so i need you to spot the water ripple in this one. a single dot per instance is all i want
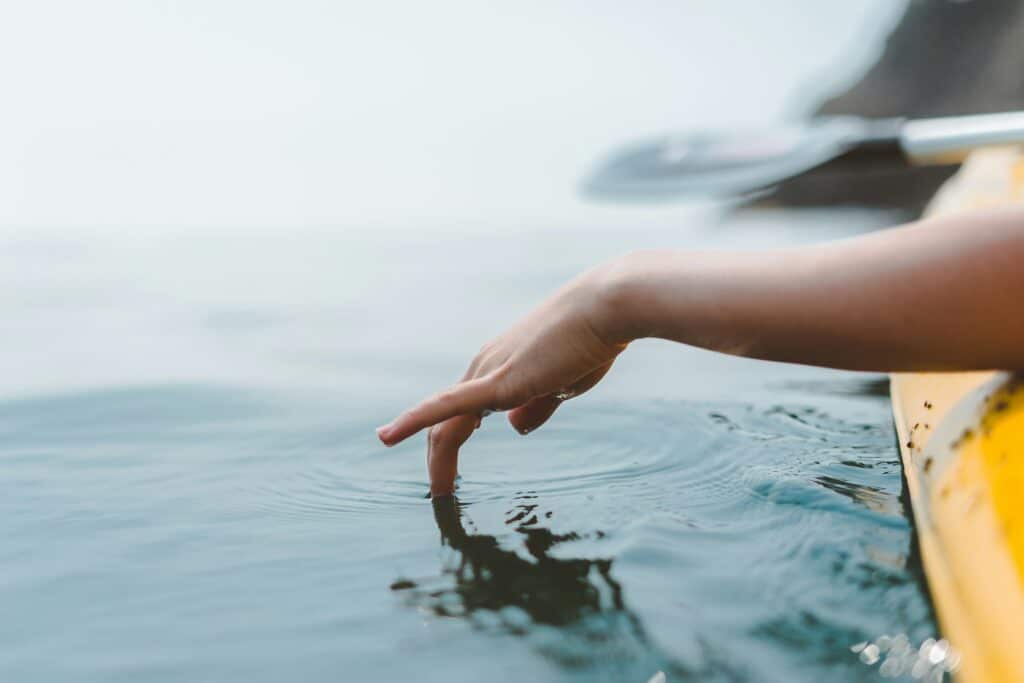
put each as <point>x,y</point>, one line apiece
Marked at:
<point>677,502</point>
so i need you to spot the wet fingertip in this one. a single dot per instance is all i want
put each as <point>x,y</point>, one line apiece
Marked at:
<point>439,490</point>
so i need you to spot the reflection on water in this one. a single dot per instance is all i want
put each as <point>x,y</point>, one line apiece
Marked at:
<point>715,541</point>
<point>875,387</point>
<point>497,588</point>
<point>748,540</point>
<point>548,589</point>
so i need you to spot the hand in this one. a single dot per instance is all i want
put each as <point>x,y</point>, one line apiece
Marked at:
<point>560,350</point>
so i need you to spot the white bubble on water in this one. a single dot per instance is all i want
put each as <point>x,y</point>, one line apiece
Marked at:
<point>869,655</point>
<point>930,661</point>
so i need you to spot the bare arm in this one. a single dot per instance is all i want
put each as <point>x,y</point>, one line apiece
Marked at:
<point>940,294</point>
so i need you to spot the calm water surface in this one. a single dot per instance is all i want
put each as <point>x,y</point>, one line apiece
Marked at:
<point>192,489</point>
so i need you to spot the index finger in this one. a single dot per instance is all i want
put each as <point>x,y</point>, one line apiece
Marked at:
<point>468,398</point>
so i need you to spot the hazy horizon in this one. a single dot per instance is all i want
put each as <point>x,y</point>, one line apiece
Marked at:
<point>137,114</point>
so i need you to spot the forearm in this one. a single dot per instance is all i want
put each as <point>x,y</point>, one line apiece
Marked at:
<point>935,295</point>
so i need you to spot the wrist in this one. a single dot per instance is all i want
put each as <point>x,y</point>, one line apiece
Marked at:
<point>622,296</point>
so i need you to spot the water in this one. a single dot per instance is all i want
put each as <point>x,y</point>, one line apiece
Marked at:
<point>190,486</point>
<point>192,489</point>
<point>202,533</point>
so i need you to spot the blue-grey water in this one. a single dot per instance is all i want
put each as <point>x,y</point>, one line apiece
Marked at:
<point>191,488</point>
<point>235,237</point>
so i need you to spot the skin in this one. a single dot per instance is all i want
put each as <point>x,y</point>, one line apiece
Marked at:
<point>935,295</point>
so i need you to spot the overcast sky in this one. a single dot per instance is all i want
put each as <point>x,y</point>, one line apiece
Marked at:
<point>220,112</point>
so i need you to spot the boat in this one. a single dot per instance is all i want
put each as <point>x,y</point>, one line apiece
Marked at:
<point>961,440</point>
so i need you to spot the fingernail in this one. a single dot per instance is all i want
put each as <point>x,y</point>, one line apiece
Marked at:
<point>382,434</point>
<point>524,431</point>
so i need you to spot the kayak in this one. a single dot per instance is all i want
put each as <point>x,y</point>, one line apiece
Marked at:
<point>961,439</point>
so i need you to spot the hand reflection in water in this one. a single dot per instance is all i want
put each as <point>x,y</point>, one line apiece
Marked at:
<point>496,587</point>
<point>550,590</point>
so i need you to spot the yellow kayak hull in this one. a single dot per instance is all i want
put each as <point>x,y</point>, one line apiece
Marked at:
<point>962,444</point>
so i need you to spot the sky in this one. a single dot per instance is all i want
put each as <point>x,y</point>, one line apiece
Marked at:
<point>372,115</point>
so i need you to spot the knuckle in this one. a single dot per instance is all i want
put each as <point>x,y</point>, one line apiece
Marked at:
<point>506,390</point>
<point>501,373</point>
<point>474,366</point>
<point>479,363</point>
